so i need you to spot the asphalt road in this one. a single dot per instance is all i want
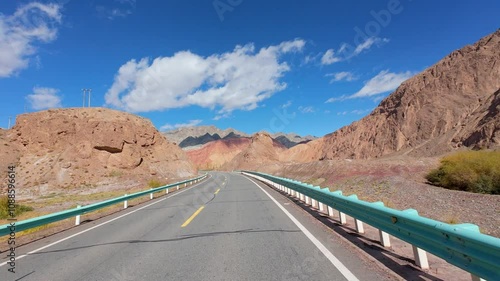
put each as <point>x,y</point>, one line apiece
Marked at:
<point>225,228</point>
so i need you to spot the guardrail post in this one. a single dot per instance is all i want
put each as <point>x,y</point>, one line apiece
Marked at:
<point>321,207</point>
<point>420,258</point>
<point>166,190</point>
<point>185,184</point>
<point>308,200</point>
<point>77,220</point>
<point>297,195</point>
<point>151,195</point>
<point>385,239</point>
<point>178,186</point>
<point>359,226</point>
<point>125,203</point>
<point>314,203</point>
<point>342,217</point>
<point>301,197</point>
<point>330,211</point>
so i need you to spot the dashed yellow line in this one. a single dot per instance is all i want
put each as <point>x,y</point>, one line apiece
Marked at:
<point>217,191</point>
<point>192,216</point>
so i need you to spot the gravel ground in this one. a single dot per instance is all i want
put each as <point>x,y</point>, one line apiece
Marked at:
<point>400,184</point>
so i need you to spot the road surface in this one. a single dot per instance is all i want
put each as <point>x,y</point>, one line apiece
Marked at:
<point>227,227</point>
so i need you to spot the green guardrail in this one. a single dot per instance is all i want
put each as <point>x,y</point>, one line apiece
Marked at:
<point>46,219</point>
<point>462,245</point>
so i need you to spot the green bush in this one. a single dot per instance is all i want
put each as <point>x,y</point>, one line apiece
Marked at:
<point>154,183</point>
<point>474,171</point>
<point>4,208</point>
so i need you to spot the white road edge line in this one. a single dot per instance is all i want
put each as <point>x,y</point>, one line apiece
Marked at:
<point>338,264</point>
<point>101,224</point>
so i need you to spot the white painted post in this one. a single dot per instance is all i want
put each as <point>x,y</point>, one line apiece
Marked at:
<point>385,239</point>
<point>308,200</point>
<point>178,186</point>
<point>420,258</point>
<point>166,190</point>
<point>151,195</point>
<point>343,219</point>
<point>359,226</point>
<point>125,203</point>
<point>302,198</point>
<point>330,211</point>
<point>321,207</point>
<point>297,195</point>
<point>77,220</point>
<point>476,278</point>
<point>314,203</point>
<point>185,184</point>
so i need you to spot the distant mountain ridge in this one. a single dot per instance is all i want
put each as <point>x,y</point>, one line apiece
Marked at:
<point>187,137</point>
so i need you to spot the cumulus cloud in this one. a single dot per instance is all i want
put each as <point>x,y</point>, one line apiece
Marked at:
<point>44,98</point>
<point>31,23</point>
<point>383,82</point>
<point>339,76</point>
<point>239,79</point>
<point>191,123</point>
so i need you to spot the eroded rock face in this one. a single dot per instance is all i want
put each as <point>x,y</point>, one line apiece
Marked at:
<point>66,147</point>
<point>453,103</point>
<point>263,149</point>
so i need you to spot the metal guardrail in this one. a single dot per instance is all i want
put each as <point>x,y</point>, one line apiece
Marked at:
<point>460,244</point>
<point>6,229</point>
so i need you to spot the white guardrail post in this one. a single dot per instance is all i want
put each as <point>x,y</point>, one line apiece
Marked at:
<point>78,218</point>
<point>125,203</point>
<point>151,195</point>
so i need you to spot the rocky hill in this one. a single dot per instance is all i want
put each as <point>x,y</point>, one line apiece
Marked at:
<point>188,137</point>
<point>75,147</point>
<point>263,150</point>
<point>452,104</point>
<point>215,154</point>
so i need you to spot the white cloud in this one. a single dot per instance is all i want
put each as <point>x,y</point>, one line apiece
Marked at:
<point>287,104</point>
<point>344,52</point>
<point>191,123</point>
<point>368,44</point>
<point>341,98</point>
<point>339,76</point>
<point>383,82</point>
<point>44,98</point>
<point>234,80</point>
<point>116,9</point>
<point>31,23</point>
<point>330,58</point>
<point>306,109</point>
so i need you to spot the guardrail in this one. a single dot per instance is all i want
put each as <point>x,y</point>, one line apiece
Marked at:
<point>7,229</point>
<point>460,244</point>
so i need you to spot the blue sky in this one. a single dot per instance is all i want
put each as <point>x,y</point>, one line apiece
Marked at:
<point>308,67</point>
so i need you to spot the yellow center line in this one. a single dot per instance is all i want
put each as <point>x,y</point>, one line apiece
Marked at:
<point>217,191</point>
<point>192,216</point>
